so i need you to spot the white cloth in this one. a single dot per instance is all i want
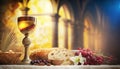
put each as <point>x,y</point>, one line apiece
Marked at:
<point>60,67</point>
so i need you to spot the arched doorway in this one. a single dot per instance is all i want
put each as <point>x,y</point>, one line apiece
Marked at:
<point>88,33</point>
<point>65,26</point>
<point>92,34</point>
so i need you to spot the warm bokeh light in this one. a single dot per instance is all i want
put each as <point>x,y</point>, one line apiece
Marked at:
<point>40,6</point>
<point>41,37</point>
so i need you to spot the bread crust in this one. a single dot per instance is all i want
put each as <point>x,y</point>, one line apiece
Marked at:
<point>40,54</point>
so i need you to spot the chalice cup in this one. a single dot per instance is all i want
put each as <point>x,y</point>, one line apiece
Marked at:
<point>26,24</point>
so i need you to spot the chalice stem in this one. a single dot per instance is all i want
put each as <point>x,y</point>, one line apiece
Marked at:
<point>26,57</point>
<point>26,43</point>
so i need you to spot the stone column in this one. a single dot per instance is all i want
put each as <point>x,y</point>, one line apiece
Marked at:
<point>68,23</point>
<point>66,33</point>
<point>55,19</point>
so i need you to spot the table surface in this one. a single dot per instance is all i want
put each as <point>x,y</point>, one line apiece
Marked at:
<point>60,67</point>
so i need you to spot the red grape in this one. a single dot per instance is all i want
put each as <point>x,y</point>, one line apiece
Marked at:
<point>91,57</point>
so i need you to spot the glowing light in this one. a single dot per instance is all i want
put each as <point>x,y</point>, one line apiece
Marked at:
<point>86,34</point>
<point>65,14</point>
<point>61,35</point>
<point>40,6</point>
<point>23,25</point>
<point>41,37</point>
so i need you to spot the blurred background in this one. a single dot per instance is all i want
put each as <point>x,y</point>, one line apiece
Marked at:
<point>70,24</point>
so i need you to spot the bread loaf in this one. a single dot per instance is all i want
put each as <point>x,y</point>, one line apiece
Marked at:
<point>9,57</point>
<point>60,54</point>
<point>40,54</point>
<point>57,56</point>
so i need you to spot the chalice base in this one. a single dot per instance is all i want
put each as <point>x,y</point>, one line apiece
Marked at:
<point>25,62</point>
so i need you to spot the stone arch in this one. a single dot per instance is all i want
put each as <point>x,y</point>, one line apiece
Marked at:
<point>65,24</point>
<point>88,31</point>
<point>95,16</point>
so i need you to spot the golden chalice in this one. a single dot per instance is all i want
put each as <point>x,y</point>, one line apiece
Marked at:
<point>26,24</point>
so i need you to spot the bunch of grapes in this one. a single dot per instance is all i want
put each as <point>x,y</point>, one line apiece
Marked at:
<point>40,62</point>
<point>91,57</point>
